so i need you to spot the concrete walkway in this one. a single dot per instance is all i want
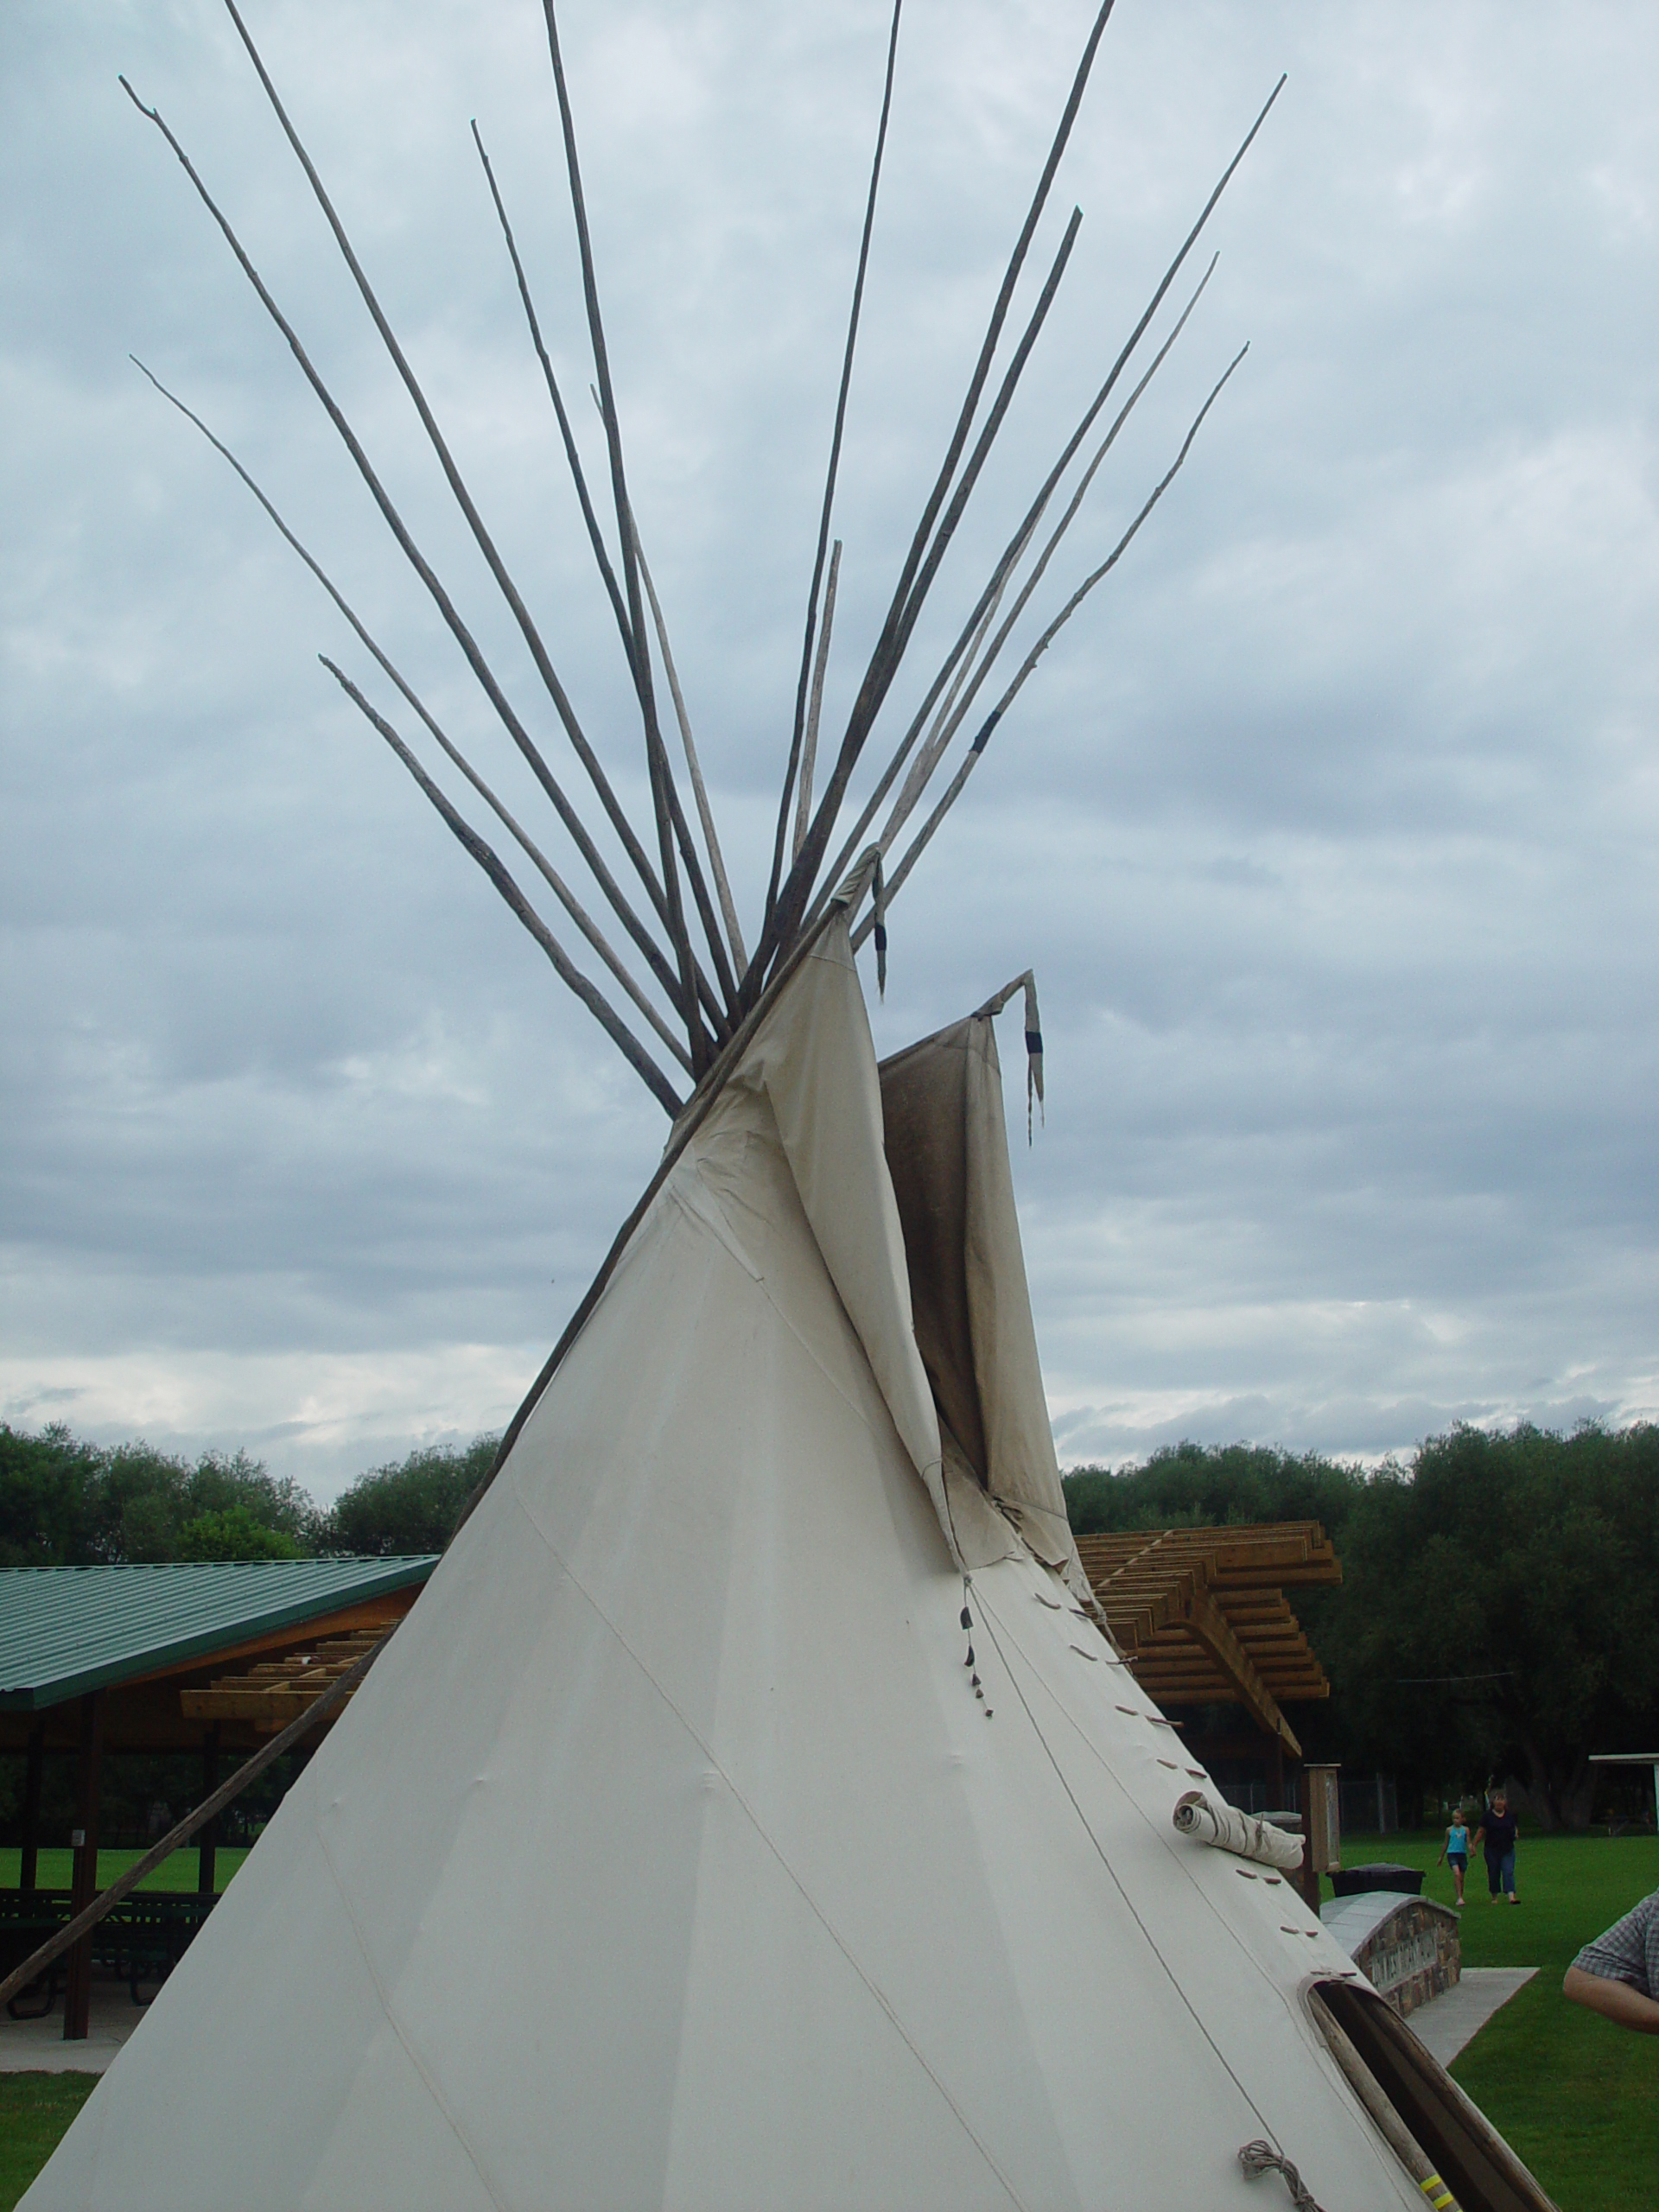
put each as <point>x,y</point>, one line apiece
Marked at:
<point>1450,2022</point>
<point>38,2047</point>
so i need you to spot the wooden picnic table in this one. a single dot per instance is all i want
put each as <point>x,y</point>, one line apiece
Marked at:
<point>140,1941</point>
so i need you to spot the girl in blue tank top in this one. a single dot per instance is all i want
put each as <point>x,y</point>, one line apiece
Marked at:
<point>1454,1852</point>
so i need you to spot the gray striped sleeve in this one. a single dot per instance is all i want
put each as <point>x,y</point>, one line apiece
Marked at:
<point>1630,1949</point>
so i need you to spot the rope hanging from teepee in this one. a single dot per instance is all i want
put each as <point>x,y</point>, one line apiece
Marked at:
<point>1258,2158</point>
<point>992,1007</point>
<point>878,914</point>
<point>1033,1049</point>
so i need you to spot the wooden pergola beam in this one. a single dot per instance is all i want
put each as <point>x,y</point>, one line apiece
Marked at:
<point>1209,1626</point>
<point>1235,1559</point>
<point>1202,1616</point>
<point>272,1694</point>
<point>1207,1684</point>
<point>1190,1659</point>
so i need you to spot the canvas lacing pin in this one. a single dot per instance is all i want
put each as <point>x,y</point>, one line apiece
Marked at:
<point>974,1682</point>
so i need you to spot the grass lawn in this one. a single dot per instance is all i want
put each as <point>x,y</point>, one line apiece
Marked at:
<point>35,2109</point>
<point>56,1868</point>
<point>1576,2097</point>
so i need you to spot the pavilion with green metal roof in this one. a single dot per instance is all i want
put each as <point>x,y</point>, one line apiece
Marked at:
<point>64,1631</point>
<point>208,1658</point>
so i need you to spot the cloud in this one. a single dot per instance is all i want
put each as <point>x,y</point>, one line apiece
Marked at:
<point>1327,823</point>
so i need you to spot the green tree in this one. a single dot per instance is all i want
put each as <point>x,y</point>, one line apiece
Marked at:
<point>1499,1605</point>
<point>1214,1486</point>
<point>233,1534</point>
<point>51,1490</point>
<point>153,1498</point>
<point>1502,1608</point>
<point>64,1503</point>
<point>411,1505</point>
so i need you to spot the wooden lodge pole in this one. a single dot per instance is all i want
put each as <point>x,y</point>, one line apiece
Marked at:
<point>83,1921</point>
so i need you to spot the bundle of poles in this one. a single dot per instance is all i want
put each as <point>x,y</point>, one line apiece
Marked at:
<point>677,981</point>
<point>681,921</point>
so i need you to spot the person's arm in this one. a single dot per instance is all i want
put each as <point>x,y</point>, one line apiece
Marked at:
<point>1440,1861</point>
<point>1479,1837</point>
<point>1614,2000</point>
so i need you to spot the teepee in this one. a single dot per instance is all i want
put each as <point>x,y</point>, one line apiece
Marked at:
<point>753,1811</point>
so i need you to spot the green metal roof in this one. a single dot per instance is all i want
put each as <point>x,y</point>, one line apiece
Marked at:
<point>66,1629</point>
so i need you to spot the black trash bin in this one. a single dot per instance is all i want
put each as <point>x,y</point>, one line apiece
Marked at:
<point>1352,1881</point>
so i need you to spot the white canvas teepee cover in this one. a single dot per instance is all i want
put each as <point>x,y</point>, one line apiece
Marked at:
<point>667,1858</point>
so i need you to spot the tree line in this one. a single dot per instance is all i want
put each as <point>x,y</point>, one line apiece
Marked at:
<point>67,1503</point>
<point>1499,1612</point>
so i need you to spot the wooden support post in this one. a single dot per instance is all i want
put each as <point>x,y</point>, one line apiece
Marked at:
<point>1321,1829</point>
<point>31,1837</point>
<point>1309,1877</point>
<point>1276,1772</point>
<point>78,1994</point>
<point>207,1840</point>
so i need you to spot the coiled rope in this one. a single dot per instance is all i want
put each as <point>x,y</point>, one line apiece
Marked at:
<point>1258,2158</point>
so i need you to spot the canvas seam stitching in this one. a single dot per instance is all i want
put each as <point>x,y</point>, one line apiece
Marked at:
<point>987,1614</point>
<point>411,2053</point>
<point>1140,1811</point>
<point>1367,2134</point>
<point>755,1822</point>
<point>696,1209</point>
<point>765,1288</point>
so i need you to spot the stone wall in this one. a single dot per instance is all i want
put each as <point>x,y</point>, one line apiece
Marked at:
<point>1415,1954</point>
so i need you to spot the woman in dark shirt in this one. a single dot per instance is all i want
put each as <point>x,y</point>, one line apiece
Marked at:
<point>1496,1834</point>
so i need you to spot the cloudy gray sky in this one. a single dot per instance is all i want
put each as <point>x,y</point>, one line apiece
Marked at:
<point>1327,826</point>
